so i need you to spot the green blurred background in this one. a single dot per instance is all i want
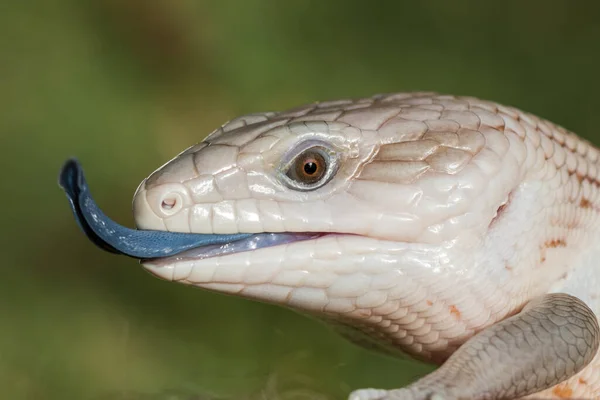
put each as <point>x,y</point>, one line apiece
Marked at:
<point>124,85</point>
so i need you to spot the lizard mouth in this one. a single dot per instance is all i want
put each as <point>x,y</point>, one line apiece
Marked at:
<point>251,243</point>
<point>158,247</point>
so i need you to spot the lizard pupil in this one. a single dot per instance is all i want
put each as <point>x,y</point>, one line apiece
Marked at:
<point>310,167</point>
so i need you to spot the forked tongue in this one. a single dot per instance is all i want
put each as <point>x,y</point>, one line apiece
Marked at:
<point>115,238</point>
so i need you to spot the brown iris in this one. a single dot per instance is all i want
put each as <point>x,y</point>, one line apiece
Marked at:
<point>308,168</point>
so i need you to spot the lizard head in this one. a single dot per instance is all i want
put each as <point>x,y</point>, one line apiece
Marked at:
<point>352,210</point>
<point>340,201</point>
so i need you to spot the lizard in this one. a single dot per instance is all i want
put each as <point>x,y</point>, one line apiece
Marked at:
<point>456,230</point>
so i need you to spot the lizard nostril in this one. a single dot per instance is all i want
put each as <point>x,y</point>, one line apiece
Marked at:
<point>171,203</point>
<point>168,204</point>
<point>167,200</point>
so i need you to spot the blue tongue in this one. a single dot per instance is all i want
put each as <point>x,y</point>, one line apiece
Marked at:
<point>115,238</point>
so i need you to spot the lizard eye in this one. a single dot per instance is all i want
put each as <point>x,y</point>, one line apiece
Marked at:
<point>311,168</point>
<point>308,168</point>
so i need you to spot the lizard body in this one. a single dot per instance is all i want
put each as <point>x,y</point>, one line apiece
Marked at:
<point>435,220</point>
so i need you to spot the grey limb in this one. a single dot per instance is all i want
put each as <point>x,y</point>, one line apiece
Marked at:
<point>553,338</point>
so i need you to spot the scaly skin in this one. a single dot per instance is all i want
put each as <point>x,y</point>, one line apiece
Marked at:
<point>447,216</point>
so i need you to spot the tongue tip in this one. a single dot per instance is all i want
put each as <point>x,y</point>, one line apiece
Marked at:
<point>70,177</point>
<point>72,181</point>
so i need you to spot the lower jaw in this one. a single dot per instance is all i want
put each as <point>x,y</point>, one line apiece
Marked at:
<point>254,242</point>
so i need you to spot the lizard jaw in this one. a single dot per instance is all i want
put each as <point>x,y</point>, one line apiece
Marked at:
<point>312,267</point>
